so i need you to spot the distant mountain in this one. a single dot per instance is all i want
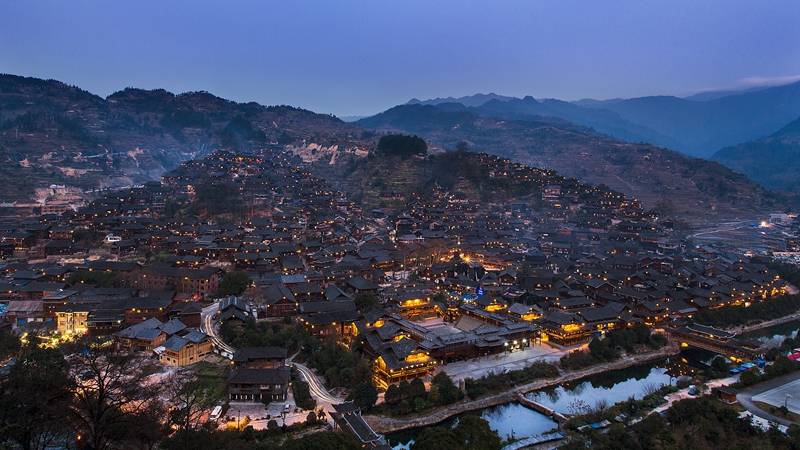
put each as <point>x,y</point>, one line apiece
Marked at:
<point>351,118</point>
<point>601,120</point>
<point>674,183</point>
<point>51,132</point>
<point>469,100</point>
<point>701,127</point>
<point>715,94</point>
<point>697,125</point>
<point>773,161</point>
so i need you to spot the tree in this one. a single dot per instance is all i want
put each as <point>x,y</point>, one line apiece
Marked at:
<point>34,399</point>
<point>781,366</point>
<point>437,438</point>
<point>448,392</point>
<point>719,364</point>
<point>272,425</point>
<point>475,433</point>
<point>311,418</point>
<point>233,283</point>
<point>99,279</point>
<point>416,388</point>
<point>392,396</point>
<point>9,344</point>
<point>325,440</point>
<point>364,395</point>
<point>190,399</point>
<point>114,403</point>
<point>402,145</point>
<point>302,395</point>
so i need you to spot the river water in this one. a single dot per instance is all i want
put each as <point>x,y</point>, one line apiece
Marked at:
<point>773,336</point>
<point>512,420</point>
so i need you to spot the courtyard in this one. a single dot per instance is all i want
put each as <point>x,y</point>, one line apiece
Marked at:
<point>503,362</point>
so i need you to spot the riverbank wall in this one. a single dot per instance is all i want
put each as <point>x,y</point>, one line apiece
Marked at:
<point>386,424</point>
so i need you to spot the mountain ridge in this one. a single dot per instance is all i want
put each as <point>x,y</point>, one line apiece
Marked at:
<point>660,178</point>
<point>773,161</point>
<point>696,125</point>
<point>56,133</point>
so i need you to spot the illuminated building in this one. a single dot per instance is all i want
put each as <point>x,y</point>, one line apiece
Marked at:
<point>72,319</point>
<point>416,305</point>
<point>565,328</point>
<point>184,350</point>
<point>401,360</point>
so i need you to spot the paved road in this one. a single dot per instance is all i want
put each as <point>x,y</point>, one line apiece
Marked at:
<point>745,397</point>
<point>684,393</point>
<point>315,385</point>
<point>208,327</point>
<point>728,226</point>
<point>787,394</point>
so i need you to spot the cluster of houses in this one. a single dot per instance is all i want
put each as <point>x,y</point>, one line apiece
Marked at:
<point>445,277</point>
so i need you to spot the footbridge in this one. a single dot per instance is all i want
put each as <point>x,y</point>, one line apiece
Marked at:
<point>538,407</point>
<point>715,340</point>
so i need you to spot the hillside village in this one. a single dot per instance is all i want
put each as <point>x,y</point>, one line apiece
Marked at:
<point>494,258</point>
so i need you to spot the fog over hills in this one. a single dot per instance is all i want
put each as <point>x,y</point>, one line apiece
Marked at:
<point>697,125</point>
<point>51,132</point>
<point>773,161</point>
<point>659,177</point>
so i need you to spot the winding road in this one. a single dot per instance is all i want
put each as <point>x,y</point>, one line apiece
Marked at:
<point>208,327</point>
<point>315,386</point>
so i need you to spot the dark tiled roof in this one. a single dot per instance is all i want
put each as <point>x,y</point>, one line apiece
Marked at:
<point>259,376</point>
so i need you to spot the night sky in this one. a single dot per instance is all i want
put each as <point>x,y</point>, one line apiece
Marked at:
<point>360,57</point>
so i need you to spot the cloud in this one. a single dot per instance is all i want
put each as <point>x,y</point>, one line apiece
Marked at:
<point>768,81</point>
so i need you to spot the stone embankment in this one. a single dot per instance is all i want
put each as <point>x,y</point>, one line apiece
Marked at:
<point>386,424</point>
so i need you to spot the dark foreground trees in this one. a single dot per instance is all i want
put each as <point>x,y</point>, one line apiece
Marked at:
<point>472,432</point>
<point>704,423</point>
<point>115,403</point>
<point>34,399</point>
<point>101,398</point>
<point>402,145</point>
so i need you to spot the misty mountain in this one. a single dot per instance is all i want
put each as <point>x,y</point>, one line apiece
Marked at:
<point>701,127</point>
<point>697,125</point>
<point>51,132</point>
<point>660,178</point>
<point>773,161</point>
<point>468,100</point>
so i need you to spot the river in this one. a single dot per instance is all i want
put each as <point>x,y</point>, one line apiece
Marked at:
<point>773,336</point>
<point>513,420</point>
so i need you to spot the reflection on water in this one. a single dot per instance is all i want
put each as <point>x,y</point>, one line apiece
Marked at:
<point>588,395</point>
<point>513,420</point>
<point>510,421</point>
<point>773,336</point>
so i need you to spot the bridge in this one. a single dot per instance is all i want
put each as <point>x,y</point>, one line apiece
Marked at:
<point>538,407</point>
<point>347,418</point>
<point>534,440</point>
<point>715,340</point>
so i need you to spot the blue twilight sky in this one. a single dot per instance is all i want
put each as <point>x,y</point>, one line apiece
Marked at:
<point>360,57</point>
